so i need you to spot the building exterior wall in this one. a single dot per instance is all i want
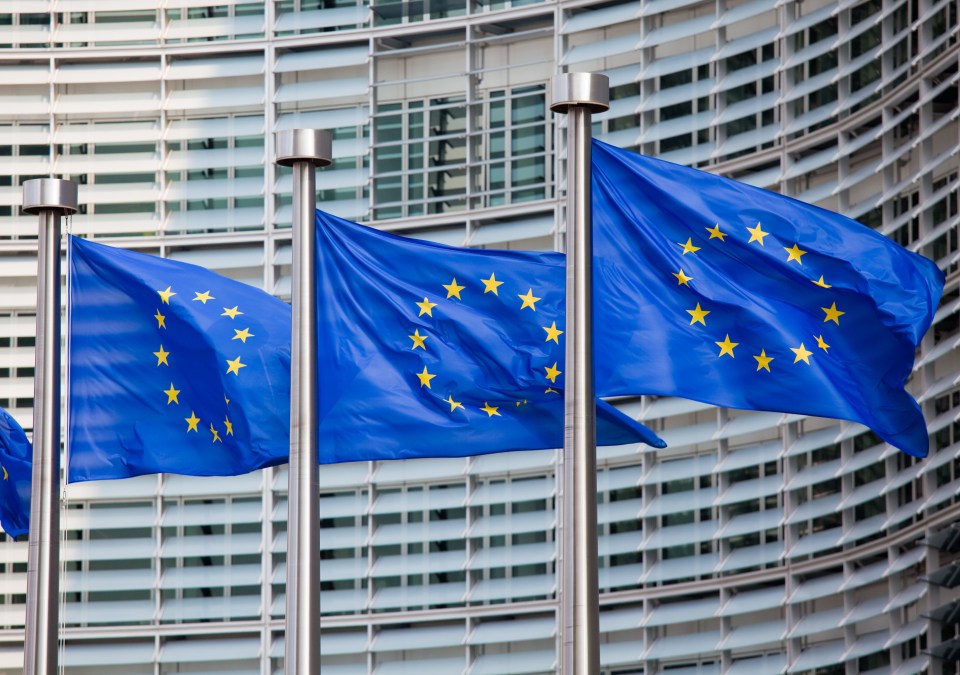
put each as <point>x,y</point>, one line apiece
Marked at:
<point>756,543</point>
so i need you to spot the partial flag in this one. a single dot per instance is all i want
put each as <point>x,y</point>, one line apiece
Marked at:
<point>431,351</point>
<point>713,290</point>
<point>16,462</point>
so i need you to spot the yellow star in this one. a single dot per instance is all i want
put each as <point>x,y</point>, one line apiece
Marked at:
<point>232,312</point>
<point>454,404</point>
<point>550,390</point>
<point>426,307</point>
<point>682,279</point>
<point>192,422</point>
<point>490,410</point>
<point>5,474</point>
<point>425,378</point>
<point>726,347</point>
<point>552,372</point>
<point>203,297</point>
<point>160,319</point>
<point>418,339</point>
<point>802,354</point>
<point>235,366</point>
<point>242,335</point>
<point>491,285</point>
<point>162,356</point>
<point>216,434</point>
<point>688,247</point>
<point>229,425</point>
<point>172,395</point>
<point>821,344</point>
<point>794,253</point>
<point>756,234</point>
<point>166,295</point>
<point>821,283</point>
<point>833,314</point>
<point>697,315</point>
<point>763,361</point>
<point>226,400</point>
<point>529,300</point>
<point>453,290</point>
<point>715,232</point>
<point>553,333</point>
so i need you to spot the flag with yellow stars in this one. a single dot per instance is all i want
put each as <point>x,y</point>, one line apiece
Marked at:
<point>713,290</point>
<point>432,351</point>
<point>172,368</point>
<point>16,461</point>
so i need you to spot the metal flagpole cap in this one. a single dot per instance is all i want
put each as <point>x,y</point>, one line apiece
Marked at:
<point>49,194</point>
<point>304,145</point>
<point>588,90</point>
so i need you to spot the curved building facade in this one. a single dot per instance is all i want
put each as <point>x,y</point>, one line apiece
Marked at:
<point>756,543</point>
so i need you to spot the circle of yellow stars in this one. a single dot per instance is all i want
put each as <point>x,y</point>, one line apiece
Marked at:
<point>698,313</point>
<point>492,286</point>
<point>233,365</point>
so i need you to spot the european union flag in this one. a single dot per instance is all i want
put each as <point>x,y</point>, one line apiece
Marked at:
<point>431,351</point>
<point>16,462</point>
<point>172,368</point>
<point>713,290</point>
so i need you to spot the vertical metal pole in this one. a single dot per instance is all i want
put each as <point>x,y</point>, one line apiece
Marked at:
<point>579,95</point>
<point>304,150</point>
<point>49,198</point>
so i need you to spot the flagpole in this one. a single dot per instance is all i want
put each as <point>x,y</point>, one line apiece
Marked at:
<point>579,95</point>
<point>304,150</point>
<point>49,198</point>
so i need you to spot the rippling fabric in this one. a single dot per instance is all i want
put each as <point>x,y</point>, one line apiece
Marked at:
<point>173,368</point>
<point>432,351</point>
<point>16,460</point>
<point>717,291</point>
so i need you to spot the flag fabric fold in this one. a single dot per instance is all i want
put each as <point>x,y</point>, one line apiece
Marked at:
<point>172,368</point>
<point>16,462</point>
<point>431,351</point>
<point>713,290</point>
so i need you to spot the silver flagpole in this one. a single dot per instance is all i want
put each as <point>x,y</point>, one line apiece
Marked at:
<point>49,198</point>
<point>579,95</point>
<point>304,150</point>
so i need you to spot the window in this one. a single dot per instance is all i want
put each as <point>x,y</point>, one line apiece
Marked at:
<point>420,154</point>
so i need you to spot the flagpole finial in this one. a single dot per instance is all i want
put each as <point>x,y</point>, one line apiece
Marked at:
<point>588,90</point>
<point>49,194</point>
<point>304,145</point>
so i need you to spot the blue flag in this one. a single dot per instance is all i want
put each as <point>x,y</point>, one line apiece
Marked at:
<point>172,369</point>
<point>713,290</point>
<point>16,461</point>
<point>431,351</point>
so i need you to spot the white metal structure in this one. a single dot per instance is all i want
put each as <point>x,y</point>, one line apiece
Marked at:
<point>757,543</point>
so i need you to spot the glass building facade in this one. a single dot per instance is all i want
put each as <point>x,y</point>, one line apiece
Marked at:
<point>756,543</point>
